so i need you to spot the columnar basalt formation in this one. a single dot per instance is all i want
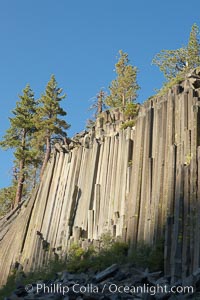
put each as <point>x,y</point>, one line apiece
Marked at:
<point>139,184</point>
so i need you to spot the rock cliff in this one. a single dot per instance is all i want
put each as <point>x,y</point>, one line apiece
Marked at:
<point>140,184</point>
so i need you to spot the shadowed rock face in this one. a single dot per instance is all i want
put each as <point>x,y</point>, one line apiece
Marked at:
<point>141,184</point>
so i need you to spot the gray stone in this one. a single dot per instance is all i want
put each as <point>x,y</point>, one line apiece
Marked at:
<point>65,276</point>
<point>106,273</point>
<point>120,276</point>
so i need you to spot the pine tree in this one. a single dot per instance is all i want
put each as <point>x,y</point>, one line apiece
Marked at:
<point>50,127</point>
<point>99,103</point>
<point>171,62</point>
<point>19,137</point>
<point>177,62</point>
<point>124,88</point>
<point>193,48</point>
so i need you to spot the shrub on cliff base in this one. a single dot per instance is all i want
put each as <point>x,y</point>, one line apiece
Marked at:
<point>151,257</point>
<point>48,272</point>
<point>110,252</point>
<point>80,260</point>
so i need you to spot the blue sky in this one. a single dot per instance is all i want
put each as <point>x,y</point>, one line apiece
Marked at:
<point>78,42</point>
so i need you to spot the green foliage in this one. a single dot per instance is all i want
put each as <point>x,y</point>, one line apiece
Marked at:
<point>124,88</point>
<point>127,124</point>
<point>168,85</point>
<point>47,272</point>
<point>49,124</point>
<point>51,128</point>
<point>7,196</point>
<point>80,260</point>
<point>22,127</point>
<point>131,110</point>
<point>106,240</point>
<point>130,163</point>
<point>193,48</point>
<point>116,253</point>
<point>178,62</point>
<point>151,257</point>
<point>188,159</point>
<point>171,62</point>
<point>19,278</point>
<point>19,137</point>
<point>34,125</point>
<point>9,287</point>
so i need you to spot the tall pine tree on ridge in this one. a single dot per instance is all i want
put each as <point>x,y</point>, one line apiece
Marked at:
<point>19,136</point>
<point>49,126</point>
<point>178,62</point>
<point>124,88</point>
<point>35,127</point>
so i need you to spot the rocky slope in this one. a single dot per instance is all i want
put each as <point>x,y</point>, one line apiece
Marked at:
<point>114,283</point>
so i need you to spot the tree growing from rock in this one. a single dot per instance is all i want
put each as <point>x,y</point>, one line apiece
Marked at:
<point>19,137</point>
<point>50,127</point>
<point>98,106</point>
<point>124,88</point>
<point>99,103</point>
<point>178,62</point>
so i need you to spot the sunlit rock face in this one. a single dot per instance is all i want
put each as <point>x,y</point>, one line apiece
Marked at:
<point>140,184</point>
